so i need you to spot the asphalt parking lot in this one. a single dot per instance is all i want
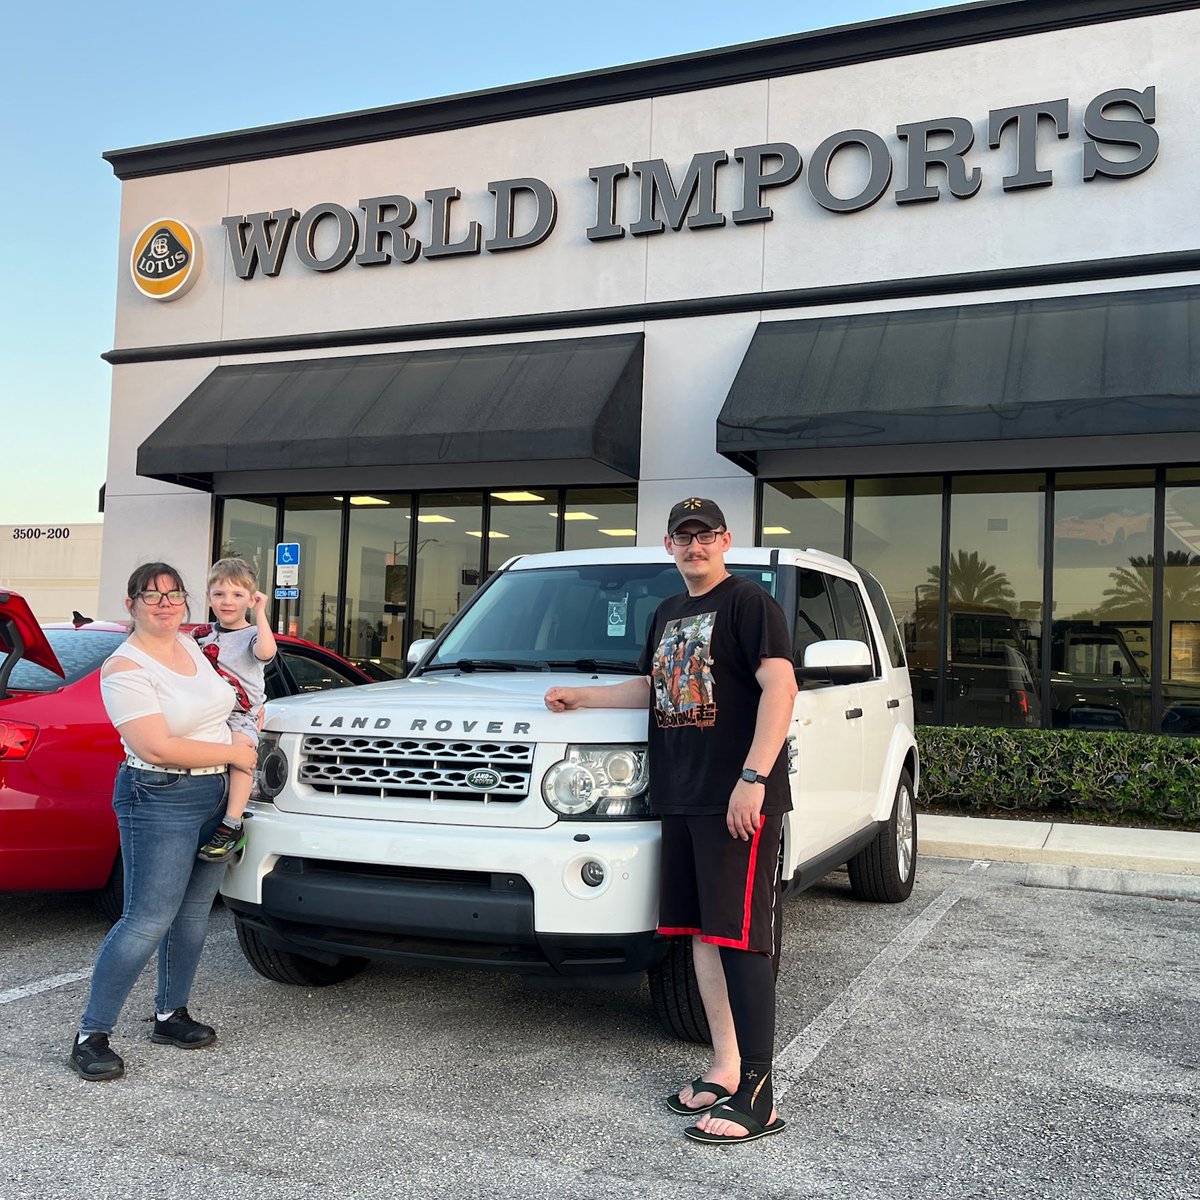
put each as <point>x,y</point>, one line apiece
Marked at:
<point>986,1039</point>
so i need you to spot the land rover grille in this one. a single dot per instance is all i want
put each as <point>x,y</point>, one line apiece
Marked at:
<point>416,767</point>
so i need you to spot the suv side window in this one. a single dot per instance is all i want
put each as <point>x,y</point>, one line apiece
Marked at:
<point>883,611</point>
<point>850,620</point>
<point>814,613</point>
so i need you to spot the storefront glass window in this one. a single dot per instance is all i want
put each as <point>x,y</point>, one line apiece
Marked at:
<point>1100,647</point>
<point>897,537</point>
<point>994,600</point>
<point>449,555</point>
<point>804,513</point>
<point>316,523</point>
<point>595,517</point>
<point>248,531</point>
<point>377,580</point>
<point>1181,604</point>
<point>523,521</point>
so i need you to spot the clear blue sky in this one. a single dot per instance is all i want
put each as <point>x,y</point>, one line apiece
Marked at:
<point>83,77</point>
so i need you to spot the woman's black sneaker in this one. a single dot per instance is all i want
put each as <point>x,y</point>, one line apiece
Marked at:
<point>180,1030</point>
<point>92,1058</point>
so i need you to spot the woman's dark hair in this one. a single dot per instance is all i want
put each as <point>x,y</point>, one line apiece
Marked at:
<point>148,574</point>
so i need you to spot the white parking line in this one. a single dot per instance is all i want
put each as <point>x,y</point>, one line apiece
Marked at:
<point>42,985</point>
<point>801,1052</point>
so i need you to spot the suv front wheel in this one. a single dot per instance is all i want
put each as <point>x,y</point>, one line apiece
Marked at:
<point>283,966</point>
<point>884,871</point>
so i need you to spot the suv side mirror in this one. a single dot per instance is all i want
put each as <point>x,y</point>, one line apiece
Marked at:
<point>417,650</point>
<point>837,661</point>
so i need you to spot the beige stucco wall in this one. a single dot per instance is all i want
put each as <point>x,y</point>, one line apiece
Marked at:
<point>56,575</point>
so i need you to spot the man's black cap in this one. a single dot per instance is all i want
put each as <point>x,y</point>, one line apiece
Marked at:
<point>703,512</point>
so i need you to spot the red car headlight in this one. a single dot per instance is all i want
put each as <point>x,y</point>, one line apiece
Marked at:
<point>16,739</point>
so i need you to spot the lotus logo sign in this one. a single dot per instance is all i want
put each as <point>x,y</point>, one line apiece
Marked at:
<point>165,259</point>
<point>483,779</point>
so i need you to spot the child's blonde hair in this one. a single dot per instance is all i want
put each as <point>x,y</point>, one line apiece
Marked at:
<point>232,570</point>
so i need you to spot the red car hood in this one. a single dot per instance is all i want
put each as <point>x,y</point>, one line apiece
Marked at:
<point>19,628</point>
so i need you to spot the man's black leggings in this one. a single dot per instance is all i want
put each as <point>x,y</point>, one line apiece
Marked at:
<point>750,982</point>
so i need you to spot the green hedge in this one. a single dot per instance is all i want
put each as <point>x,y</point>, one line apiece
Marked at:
<point>1102,778</point>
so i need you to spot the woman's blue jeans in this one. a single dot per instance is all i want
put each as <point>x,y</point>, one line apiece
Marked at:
<point>164,819</point>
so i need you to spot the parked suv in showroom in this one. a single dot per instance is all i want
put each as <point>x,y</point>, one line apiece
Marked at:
<point>449,817</point>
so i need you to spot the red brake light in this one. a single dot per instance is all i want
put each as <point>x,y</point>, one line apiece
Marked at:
<point>16,739</point>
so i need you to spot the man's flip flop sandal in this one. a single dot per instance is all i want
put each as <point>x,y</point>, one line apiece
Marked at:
<point>726,1112</point>
<point>680,1109</point>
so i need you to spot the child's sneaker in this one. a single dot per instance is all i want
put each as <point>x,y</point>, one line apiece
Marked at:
<point>227,840</point>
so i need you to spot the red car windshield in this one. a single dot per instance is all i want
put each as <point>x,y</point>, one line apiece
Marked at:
<point>78,650</point>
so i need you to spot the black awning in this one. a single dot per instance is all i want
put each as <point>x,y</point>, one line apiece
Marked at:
<point>577,399</point>
<point>1125,363</point>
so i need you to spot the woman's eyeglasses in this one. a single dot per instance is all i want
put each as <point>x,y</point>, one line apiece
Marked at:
<point>154,599</point>
<point>705,537</point>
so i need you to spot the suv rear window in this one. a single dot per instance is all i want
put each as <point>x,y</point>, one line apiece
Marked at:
<point>78,650</point>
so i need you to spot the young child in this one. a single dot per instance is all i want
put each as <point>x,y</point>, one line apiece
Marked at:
<point>240,651</point>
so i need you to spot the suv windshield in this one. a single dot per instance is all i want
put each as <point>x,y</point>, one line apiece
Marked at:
<point>592,617</point>
<point>78,650</point>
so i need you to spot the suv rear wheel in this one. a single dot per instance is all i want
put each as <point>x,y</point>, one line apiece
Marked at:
<point>885,870</point>
<point>282,966</point>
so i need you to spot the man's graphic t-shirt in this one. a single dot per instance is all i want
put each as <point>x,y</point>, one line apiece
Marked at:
<point>701,655</point>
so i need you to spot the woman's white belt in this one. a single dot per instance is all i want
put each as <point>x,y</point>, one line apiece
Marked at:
<point>131,761</point>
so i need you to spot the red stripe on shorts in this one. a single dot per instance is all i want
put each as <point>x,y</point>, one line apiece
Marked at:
<point>670,931</point>
<point>747,906</point>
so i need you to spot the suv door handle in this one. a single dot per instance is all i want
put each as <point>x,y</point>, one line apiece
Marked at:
<point>893,704</point>
<point>852,714</point>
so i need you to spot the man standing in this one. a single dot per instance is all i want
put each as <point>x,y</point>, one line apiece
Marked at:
<point>718,676</point>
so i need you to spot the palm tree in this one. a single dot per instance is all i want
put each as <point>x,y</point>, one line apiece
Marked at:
<point>1133,585</point>
<point>973,582</point>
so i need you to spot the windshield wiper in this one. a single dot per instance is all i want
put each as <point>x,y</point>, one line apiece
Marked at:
<point>617,665</point>
<point>484,664</point>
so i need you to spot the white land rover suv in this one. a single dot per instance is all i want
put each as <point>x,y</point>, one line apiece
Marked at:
<point>449,817</point>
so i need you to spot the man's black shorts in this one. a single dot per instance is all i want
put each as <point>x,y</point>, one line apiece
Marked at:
<point>722,888</point>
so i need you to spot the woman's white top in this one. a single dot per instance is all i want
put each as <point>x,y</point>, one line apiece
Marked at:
<point>194,706</point>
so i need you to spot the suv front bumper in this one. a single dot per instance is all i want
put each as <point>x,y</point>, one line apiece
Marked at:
<point>510,899</point>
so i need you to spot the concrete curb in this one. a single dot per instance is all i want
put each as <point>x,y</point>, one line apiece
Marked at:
<point>1120,883</point>
<point>1102,847</point>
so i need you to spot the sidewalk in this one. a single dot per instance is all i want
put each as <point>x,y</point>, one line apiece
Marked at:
<point>1157,862</point>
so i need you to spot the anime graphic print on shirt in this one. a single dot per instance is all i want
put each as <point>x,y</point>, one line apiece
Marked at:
<point>684,689</point>
<point>700,656</point>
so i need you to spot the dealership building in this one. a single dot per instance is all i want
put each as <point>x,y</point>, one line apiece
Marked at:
<point>923,291</point>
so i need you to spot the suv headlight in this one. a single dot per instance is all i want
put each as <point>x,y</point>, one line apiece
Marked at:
<point>599,781</point>
<point>272,772</point>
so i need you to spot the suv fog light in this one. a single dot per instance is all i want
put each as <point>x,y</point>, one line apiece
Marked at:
<point>592,873</point>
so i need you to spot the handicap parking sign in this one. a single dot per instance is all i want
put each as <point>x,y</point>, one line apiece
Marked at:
<point>287,564</point>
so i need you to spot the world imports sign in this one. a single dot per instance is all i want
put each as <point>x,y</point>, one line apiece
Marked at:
<point>1118,142</point>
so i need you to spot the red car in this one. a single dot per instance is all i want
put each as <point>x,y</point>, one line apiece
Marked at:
<point>59,753</point>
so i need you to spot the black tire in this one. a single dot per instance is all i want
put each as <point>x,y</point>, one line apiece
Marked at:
<point>675,994</point>
<point>885,870</point>
<point>282,966</point>
<point>110,899</point>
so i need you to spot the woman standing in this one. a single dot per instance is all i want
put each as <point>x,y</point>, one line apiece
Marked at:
<point>171,710</point>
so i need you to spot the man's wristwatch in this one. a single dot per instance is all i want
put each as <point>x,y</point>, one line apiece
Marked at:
<point>750,775</point>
